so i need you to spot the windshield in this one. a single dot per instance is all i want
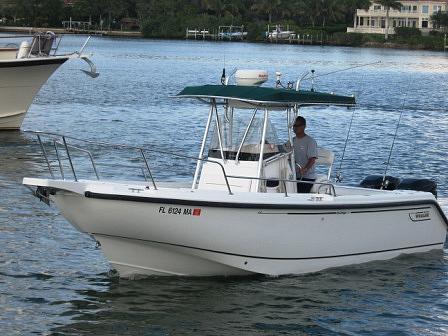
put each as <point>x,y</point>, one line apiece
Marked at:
<point>233,133</point>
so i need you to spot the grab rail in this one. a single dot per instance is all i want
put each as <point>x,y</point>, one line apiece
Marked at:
<point>81,150</point>
<point>277,157</point>
<point>142,151</point>
<point>321,184</point>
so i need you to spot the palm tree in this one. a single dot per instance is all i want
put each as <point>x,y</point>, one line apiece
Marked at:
<point>314,10</point>
<point>350,7</point>
<point>331,10</point>
<point>388,4</point>
<point>268,7</point>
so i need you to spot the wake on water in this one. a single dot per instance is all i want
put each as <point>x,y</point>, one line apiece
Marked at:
<point>444,204</point>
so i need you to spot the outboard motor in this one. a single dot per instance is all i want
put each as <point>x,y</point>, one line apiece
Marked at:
<point>418,185</point>
<point>376,182</point>
<point>24,50</point>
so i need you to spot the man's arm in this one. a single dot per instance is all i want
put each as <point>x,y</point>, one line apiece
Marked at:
<point>308,166</point>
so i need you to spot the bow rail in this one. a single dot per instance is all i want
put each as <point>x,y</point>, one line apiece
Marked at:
<point>60,144</point>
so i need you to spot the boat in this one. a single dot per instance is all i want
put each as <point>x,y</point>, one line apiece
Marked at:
<point>280,34</point>
<point>241,214</point>
<point>232,35</point>
<point>24,70</point>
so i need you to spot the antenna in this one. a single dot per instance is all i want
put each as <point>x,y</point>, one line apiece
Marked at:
<point>224,80</point>
<point>307,76</point>
<point>346,69</point>
<point>312,79</point>
<point>223,76</point>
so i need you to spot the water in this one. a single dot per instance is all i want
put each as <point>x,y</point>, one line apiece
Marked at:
<point>53,281</point>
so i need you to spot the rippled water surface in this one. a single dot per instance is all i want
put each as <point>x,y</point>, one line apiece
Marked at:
<point>53,281</point>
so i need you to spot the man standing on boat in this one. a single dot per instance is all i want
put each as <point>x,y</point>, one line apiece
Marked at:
<point>305,154</point>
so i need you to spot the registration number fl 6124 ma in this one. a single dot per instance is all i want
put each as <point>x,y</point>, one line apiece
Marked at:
<point>169,210</point>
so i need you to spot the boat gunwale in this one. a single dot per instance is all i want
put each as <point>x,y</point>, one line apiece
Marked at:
<point>213,204</point>
<point>16,63</point>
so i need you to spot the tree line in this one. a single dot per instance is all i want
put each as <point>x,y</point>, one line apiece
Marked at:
<point>169,18</point>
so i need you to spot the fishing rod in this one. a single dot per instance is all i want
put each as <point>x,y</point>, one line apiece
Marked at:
<point>313,76</point>
<point>339,176</point>
<point>339,173</point>
<point>384,183</point>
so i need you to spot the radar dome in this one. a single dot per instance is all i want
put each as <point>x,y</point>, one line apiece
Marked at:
<point>251,77</point>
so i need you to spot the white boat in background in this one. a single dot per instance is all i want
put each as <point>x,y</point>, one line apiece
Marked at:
<point>280,34</point>
<point>24,70</point>
<point>242,214</point>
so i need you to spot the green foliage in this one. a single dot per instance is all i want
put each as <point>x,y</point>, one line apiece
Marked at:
<point>43,13</point>
<point>410,39</point>
<point>256,31</point>
<point>436,33</point>
<point>407,32</point>
<point>336,28</point>
<point>344,39</point>
<point>300,12</point>
<point>389,4</point>
<point>170,18</point>
<point>440,19</point>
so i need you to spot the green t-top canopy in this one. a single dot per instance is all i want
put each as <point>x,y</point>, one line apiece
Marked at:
<point>264,96</point>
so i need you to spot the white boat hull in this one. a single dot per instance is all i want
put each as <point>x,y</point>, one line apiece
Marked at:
<point>20,81</point>
<point>204,233</point>
<point>134,257</point>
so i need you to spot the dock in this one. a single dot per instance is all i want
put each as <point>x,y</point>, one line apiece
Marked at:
<point>223,33</point>
<point>196,34</point>
<point>281,35</point>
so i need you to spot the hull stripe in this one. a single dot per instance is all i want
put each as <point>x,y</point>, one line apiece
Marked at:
<point>273,258</point>
<point>340,211</point>
<point>32,62</point>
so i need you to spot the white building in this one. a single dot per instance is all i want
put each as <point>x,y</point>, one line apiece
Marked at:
<point>414,13</point>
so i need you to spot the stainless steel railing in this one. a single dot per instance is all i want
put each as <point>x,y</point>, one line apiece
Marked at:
<point>62,140</point>
<point>58,140</point>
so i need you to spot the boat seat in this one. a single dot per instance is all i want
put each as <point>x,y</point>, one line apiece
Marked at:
<point>325,157</point>
<point>42,43</point>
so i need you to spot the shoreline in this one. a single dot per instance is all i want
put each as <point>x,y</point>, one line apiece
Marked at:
<point>138,34</point>
<point>32,30</point>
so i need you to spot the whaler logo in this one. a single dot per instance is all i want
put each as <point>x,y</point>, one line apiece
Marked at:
<point>420,216</point>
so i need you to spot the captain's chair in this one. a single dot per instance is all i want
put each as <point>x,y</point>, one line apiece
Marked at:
<point>324,157</point>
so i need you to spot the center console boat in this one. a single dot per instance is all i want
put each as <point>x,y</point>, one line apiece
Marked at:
<point>241,213</point>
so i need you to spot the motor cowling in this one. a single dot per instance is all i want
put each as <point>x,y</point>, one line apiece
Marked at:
<point>426,185</point>
<point>395,183</point>
<point>376,182</point>
<point>24,50</point>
